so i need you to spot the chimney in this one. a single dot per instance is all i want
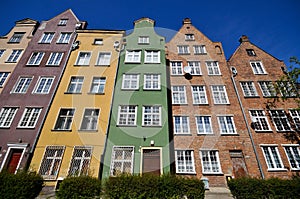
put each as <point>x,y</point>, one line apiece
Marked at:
<point>243,38</point>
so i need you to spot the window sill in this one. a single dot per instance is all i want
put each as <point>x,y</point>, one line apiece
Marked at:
<point>257,96</point>
<point>106,65</point>
<point>87,131</point>
<point>52,65</point>
<point>266,131</point>
<point>77,65</point>
<point>124,125</point>
<point>21,127</point>
<point>205,134</point>
<point>90,93</point>
<point>229,134</point>
<point>183,134</point>
<point>152,126</point>
<point>62,130</point>
<point>178,104</point>
<point>212,173</point>
<point>199,104</point>
<point>130,89</point>
<point>128,62</point>
<point>152,89</point>
<point>184,53</point>
<point>152,62</point>
<point>190,173</point>
<point>143,43</point>
<point>277,170</point>
<point>73,93</point>
<point>200,53</point>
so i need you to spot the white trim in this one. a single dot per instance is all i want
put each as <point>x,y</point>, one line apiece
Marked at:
<point>161,158</point>
<point>14,146</point>
<point>193,161</point>
<point>104,53</point>
<point>85,58</point>
<point>39,82</point>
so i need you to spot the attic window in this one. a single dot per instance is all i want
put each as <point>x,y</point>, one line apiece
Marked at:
<point>98,41</point>
<point>62,22</point>
<point>250,52</point>
<point>189,37</point>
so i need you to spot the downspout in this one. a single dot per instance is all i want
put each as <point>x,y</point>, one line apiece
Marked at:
<point>248,127</point>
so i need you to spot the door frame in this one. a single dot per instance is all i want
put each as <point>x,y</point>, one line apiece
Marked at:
<point>10,149</point>
<point>160,161</point>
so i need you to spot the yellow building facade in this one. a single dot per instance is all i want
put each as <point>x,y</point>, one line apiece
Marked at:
<point>73,136</point>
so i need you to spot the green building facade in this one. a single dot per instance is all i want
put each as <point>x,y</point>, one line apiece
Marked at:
<point>138,135</point>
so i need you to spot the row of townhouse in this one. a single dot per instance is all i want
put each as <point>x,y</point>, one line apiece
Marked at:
<point>99,102</point>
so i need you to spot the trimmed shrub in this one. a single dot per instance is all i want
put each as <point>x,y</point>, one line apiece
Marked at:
<point>79,187</point>
<point>24,184</point>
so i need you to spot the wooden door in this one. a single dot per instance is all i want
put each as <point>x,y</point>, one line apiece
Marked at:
<point>238,163</point>
<point>14,160</point>
<point>151,161</point>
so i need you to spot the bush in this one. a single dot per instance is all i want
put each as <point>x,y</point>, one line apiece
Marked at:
<point>21,185</point>
<point>79,187</point>
<point>248,188</point>
<point>151,186</point>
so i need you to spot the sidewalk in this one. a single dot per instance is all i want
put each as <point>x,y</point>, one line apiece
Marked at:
<point>218,193</point>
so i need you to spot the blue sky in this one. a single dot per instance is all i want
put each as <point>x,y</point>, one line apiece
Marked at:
<point>273,25</point>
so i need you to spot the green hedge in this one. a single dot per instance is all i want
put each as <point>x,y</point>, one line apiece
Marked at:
<point>79,187</point>
<point>273,188</point>
<point>150,186</point>
<point>23,185</point>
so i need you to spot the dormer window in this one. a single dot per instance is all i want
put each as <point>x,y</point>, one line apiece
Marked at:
<point>143,40</point>
<point>62,22</point>
<point>189,37</point>
<point>250,52</point>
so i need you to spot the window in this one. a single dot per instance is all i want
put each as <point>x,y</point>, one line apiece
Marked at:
<point>62,22</point>
<point>257,68</point>
<point>44,85</point>
<point>259,120</point>
<point>152,82</point>
<point>75,85</point>
<point>30,117</point>
<point>183,49</point>
<point>133,56</point>
<point>22,85</point>
<point>178,95</point>
<point>64,38</point>
<point>90,120</point>
<point>226,125</point>
<point>55,58</point>
<point>127,115</point>
<point>219,95</point>
<point>199,95</point>
<point>185,161</point>
<point>47,37</point>
<point>151,115</point>
<point>267,88</point>
<point>3,77</point>
<point>143,40</point>
<point>204,125</point>
<point>272,157</point>
<point>7,115</point>
<point>16,38</point>
<point>83,58</point>
<point>176,68</point>
<point>14,56</point>
<point>199,49</point>
<point>152,56</point>
<point>280,120</point>
<point>35,58</point>
<point>250,52</point>
<point>121,160</point>
<point>296,117</point>
<point>80,160</point>
<point>189,37</point>
<point>2,52</point>
<point>293,154</point>
<point>195,67</point>
<point>104,59</point>
<point>287,89</point>
<point>98,85</point>
<point>98,41</point>
<point>213,68</point>
<point>51,161</point>
<point>210,162</point>
<point>130,81</point>
<point>181,125</point>
<point>248,89</point>
<point>64,119</point>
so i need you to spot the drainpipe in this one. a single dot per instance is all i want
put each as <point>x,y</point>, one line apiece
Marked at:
<point>234,73</point>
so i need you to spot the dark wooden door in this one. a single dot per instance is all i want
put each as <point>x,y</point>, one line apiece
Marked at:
<point>14,160</point>
<point>151,161</point>
<point>238,163</point>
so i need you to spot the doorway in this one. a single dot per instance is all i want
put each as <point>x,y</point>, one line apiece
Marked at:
<point>238,163</point>
<point>151,161</point>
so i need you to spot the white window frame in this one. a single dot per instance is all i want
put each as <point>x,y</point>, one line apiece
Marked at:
<point>257,67</point>
<point>249,89</point>
<point>64,38</point>
<point>7,115</point>
<point>151,116</point>
<point>143,40</point>
<point>90,119</point>
<point>47,38</point>
<point>152,56</point>
<point>176,68</point>
<point>287,89</point>
<point>267,88</point>
<point>83,58</point>
<point>127,115</point>
<point>213,68</point>
<point>189,37</point>
<point>36,58</point>
<point>183,125</point>
<point>14,56</point>
<point>199,49</point>
<point>295,114</point>
<point>187,161</point>
<point>270,157</point>
<point>219,94</point>
<point>2,52</point>
<point>293,154</point>
<point>98,85</point>
<point>212,163</point>
<point>44,85</point>
<point>258,117</point>
<point>199,94</point>
<point>178,95</point>
<point>30,117</point>
<point>133,56</point>
<point>195,67</point>
<point>76,169</point>
<point>55,58</point>
<point>63,22</point>
<point>75,80</point>
<point>22,85</point>
<point>201,121</point>
<point>123,160</point>
<point>280,120</point>
<point>130,81</point>
<point>152,82</point>
<point>66,118</point>
<point>103,59</point>
<point>17,37</point>
<point>3,77</point>
<point>226,125</point>
<point>183,49</point>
